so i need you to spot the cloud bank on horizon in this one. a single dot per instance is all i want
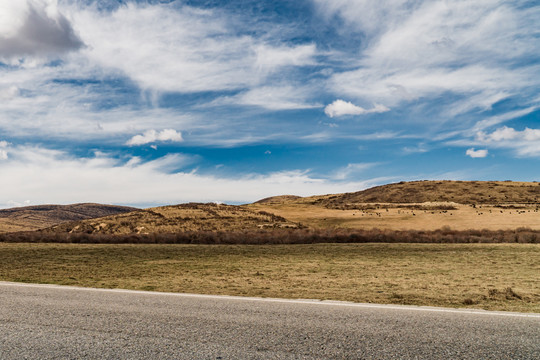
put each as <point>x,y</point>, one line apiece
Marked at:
<point>145,102</point>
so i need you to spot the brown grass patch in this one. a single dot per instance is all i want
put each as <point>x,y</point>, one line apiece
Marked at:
<point>425,216</point>
<point>494,276</point>
<point>463,192</point>
<point>189,217</point>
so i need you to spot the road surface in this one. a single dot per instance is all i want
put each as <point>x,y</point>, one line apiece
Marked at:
<point>54,322</point>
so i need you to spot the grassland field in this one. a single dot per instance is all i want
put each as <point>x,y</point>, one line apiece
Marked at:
<point>439,243</point>
<point>426,216</point>
<point>485,276</point>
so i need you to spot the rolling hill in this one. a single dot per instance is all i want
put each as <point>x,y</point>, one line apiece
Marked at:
<point>416,192</point>
<point>42,216</point>
<point>178,218</point>
<point>461,192</point>
<point>417,205</point>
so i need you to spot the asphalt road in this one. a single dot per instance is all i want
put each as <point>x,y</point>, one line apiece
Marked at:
<point>52,322</point>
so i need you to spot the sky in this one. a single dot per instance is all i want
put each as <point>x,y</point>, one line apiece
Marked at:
<point>148,103</point>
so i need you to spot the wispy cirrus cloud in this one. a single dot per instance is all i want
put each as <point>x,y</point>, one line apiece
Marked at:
<point>353,169</point>
<point>187,50</point>
<point>190,50</point>
<point>66,111</point>
<point>474,51</point>
<point>272,97</point>
<point>81,75</point>
<point>503,117</point>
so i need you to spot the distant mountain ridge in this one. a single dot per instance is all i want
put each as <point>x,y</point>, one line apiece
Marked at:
<point>43,216</point>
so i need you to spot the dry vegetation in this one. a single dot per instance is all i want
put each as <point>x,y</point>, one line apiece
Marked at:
<point>281,236</point>
<point>488,276</point>
<point>448,261</point>
<point>190,217</point>
<point>43,216</point>
<point>462,192</point>
<point>278,199</point>
<point>418,205</point>
<point>427,216</point>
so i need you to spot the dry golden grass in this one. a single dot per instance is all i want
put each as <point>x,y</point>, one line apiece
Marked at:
<point>393,217</point>
<point>178,218</point>
<point>438,204</point>
<point>31,218</point>
<point>463,192</point>
<point>495,276</point>
<point>418,205</point>
<point>7,225</point>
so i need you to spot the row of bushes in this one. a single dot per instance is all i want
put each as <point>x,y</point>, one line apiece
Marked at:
<point>286,236</point>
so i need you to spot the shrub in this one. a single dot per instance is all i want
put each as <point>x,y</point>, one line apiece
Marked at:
<point>286,236</point>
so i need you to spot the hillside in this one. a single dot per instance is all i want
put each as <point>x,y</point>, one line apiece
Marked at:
<point>278,199</point>
<point>417,205</point>
<point>178,218</point>
<point>42,216</point>
<point>461,192</point>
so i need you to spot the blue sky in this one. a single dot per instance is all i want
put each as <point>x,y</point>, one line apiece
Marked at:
<point>161,102</point>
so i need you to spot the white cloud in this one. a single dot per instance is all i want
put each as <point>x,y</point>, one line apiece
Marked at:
<point>36,104</point>
<point>187,50</point>
<point>407,84</point>
<point>418,149</point>
<point>501,118</point>
<point>284,97</point>
<point>3,151</point>
<point>341,108</point>
<point>9,92</point>
<point>507,133</point>
<point>380,135</point>
<point>476,153</point>
<point>461,56</point>
<point>368,16</point>
<point>269,57</point>
<point>34,28</point>
<point>151,136</point>
<point>504,133</point>
<point>71,111</point>
<point>65,179</point>
<point>525,142</point>
<point>351,169</point>
<point>426,49</point>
